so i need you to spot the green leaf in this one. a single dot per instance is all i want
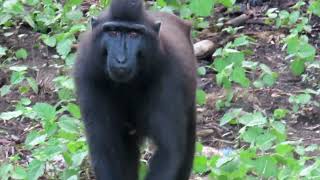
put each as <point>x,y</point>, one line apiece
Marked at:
<point>297,67</point>
<point>49,40</point>
<point>45,111</point>
<point>64,47</point>
<point>241,41</point>
<point>35,169</point>
<point>300,99</point>
<point>201,7</point>
<point>78,158</point>
<point>251,134</point>
<point>238,75</point>
<point>5,169</point>
<point>4,18</point>
<point>74,110</point>
<point>29,20</point>
<point>268,80</point>
<point>227,3</point>
<point>74,2</point>
<point>16,77</point>
<point>294,16</point>
<point>10,115</point>
<point>70,59</point>
<point>284,149</point>
<point>280,113</point>
<point>315,7</point>
<point>19,173</point>
<point>2,49</point>
<point>253,119</point>
<point>306,52</point>
<point>233,114</point>
<point>69,124</point>
<point>33,84</point>
<point>201,71</point>
<point>220,64</point>
<point>22,54</point>
<point>35,138</point>
<point>200,164</point>
<point>74,15</point>
<point>200,97</point>
<point>4,90</point>
<point>264,141</point>
<point>266,166</point>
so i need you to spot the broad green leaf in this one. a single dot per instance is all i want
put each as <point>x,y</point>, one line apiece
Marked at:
<point>16,77</point>
<point>265,141</point>
<point>239,76</point>
<point>220,64</point>
<point>254,119</point>
<point>35,169</point>
<point>74,15</point>
<point>251,134</point>
<point>280,113</point>
<point>201,71</point>
<point>266,166</point>
<point>69,124</point>
<point>29,20</point>
<point>4,90</point>
<point>293,45</point>
<point>300,99</point>
<point>2,51</point>
<point>49,40</point>
<point>74,110</point>
<point>294,16</point>
<point>200,97</point>
<point>33,84</point>
<point>70,59</point>
<point>315,7</point>
<point>77,28</point>
<point>284,149</point>
<point>268,80</point>
<point>5,169</point>
<point>64,47</point>
<point>45,111</point>
<point>4,18</point>
<point>22,54</point>
<point>35,138</point>
<point>227,3</point>
<point>307,52</point>
<point>200,164</point>
<point>229,116</point>
<point>10,115</point>
<point>241,41</point>
<point>297,67</point>
<point>78,158</point>
<point>19,173</point>
<point>201,7</point>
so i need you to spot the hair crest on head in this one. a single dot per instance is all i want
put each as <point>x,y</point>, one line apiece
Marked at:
<point>129,10</point>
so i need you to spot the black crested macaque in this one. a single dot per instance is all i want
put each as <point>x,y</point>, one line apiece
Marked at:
<point>135,76</point>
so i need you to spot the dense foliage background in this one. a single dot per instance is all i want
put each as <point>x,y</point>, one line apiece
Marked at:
<point>258,93</point>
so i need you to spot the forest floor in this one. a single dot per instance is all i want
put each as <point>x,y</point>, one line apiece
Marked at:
<point>303,126</point>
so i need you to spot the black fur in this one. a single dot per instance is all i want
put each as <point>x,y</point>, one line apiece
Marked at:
<point>136,78</point>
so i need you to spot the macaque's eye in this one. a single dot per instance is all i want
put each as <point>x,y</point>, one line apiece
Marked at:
<point>113,33</point>
<point>133,34</point>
